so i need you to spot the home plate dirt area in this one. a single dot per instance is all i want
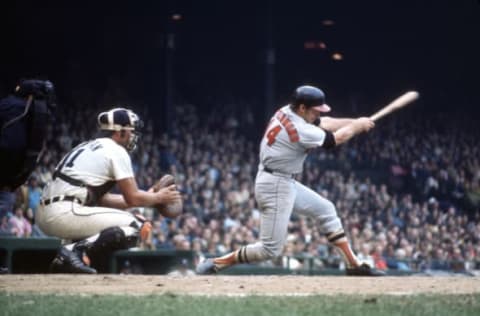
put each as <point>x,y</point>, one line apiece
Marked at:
<point>236,285</point>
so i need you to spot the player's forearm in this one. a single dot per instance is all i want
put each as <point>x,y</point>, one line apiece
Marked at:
<point>134,197</point>
<point>113,201</point>
<point>142,198</point>
<point>345,133</point>
<point>334,124</point>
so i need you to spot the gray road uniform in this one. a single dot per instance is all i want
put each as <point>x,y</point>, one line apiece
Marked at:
<point>283,150</point>
<point>68,209</point>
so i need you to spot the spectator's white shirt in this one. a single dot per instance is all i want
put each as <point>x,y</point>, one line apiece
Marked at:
<point>368,259</point>
<point>95,163</point>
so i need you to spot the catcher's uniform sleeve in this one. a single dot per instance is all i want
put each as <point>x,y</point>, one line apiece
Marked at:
<point>121,164</point>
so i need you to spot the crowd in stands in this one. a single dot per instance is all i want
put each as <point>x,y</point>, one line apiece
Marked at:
<point>408,193</point>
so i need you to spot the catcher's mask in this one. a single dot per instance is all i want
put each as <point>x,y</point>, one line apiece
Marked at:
<point>121,119</point>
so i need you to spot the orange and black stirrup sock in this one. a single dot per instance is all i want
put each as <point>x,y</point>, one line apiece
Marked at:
<point>340,241</point>
<point>238,256</point>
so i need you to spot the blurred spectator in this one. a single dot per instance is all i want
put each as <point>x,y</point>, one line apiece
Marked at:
<point>438,260</point>
<point>34,195</point>
<point>289,260</point>
<point>379,259</point>
<point>364,255</point>
<point>6,226</point>
<point>20,226</point>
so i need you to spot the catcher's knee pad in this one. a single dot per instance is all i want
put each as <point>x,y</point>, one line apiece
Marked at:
<point>115,238</point>
<point>110,240</point>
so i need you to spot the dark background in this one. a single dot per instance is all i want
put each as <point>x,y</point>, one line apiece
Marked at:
<point>100,52</point>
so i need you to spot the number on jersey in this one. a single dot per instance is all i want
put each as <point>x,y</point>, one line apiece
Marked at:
<point>74,153</point>
<point>272,134</point>
<point>285,122</point>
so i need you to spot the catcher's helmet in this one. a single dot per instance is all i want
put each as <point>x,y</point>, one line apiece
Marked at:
<point>119,119</point>
<point>311,97</point>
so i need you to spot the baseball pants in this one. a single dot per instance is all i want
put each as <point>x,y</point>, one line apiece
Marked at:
<point>73,221</point>
<point>277,197</point>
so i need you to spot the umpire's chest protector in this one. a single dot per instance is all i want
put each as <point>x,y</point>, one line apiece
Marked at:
<point>22,135</point>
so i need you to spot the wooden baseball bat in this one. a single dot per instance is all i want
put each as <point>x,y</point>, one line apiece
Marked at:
<point>396,104</point>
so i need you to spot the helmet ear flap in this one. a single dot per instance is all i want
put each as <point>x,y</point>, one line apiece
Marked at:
<point>102,119</point>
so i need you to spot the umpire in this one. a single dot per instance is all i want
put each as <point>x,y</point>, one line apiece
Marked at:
<point>24,116</point>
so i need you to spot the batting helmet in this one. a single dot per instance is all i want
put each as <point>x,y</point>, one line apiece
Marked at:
<point>310,97</point>
<point>119,119</point>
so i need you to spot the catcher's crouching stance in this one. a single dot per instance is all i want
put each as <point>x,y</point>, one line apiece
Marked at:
<point>76,204</point>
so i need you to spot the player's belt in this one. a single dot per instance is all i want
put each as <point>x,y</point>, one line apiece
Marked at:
<point>278,173</point>
<point>61,198</point>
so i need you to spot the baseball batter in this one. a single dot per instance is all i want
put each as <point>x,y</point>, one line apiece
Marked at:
<point>293,131</point>
<point>76,204</point>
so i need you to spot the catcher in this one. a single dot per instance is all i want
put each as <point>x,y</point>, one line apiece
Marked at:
<point>76,204</point>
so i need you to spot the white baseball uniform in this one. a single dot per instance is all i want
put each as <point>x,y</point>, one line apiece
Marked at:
<point>98,163</point>
<point>283,150</point>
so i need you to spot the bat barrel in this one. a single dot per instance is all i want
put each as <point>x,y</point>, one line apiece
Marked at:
<point>396,104</point>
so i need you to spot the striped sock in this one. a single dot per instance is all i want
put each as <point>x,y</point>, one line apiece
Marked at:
<point>340,241</point>
<point>238,256</point>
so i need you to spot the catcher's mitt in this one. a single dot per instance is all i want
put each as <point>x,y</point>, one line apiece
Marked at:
<point>171,210</point>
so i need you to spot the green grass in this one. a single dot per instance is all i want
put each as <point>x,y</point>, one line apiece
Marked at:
<point>172,305</point>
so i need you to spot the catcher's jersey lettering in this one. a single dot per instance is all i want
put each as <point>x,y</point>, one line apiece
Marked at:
<point>78,152</point>
<point>93,145</point>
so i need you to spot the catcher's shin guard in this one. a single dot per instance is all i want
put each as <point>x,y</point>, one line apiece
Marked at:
<point>108,241</point>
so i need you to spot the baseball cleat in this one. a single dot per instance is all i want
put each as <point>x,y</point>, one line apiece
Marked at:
<point>364,270</point>
<point>68,261</point>
<point>207,266</point>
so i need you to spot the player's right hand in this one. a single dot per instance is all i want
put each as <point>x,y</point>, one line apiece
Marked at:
<point>364,124</point>
<point>168,195</point>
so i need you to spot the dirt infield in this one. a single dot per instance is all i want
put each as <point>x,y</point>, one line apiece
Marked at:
<point>236,285</point>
